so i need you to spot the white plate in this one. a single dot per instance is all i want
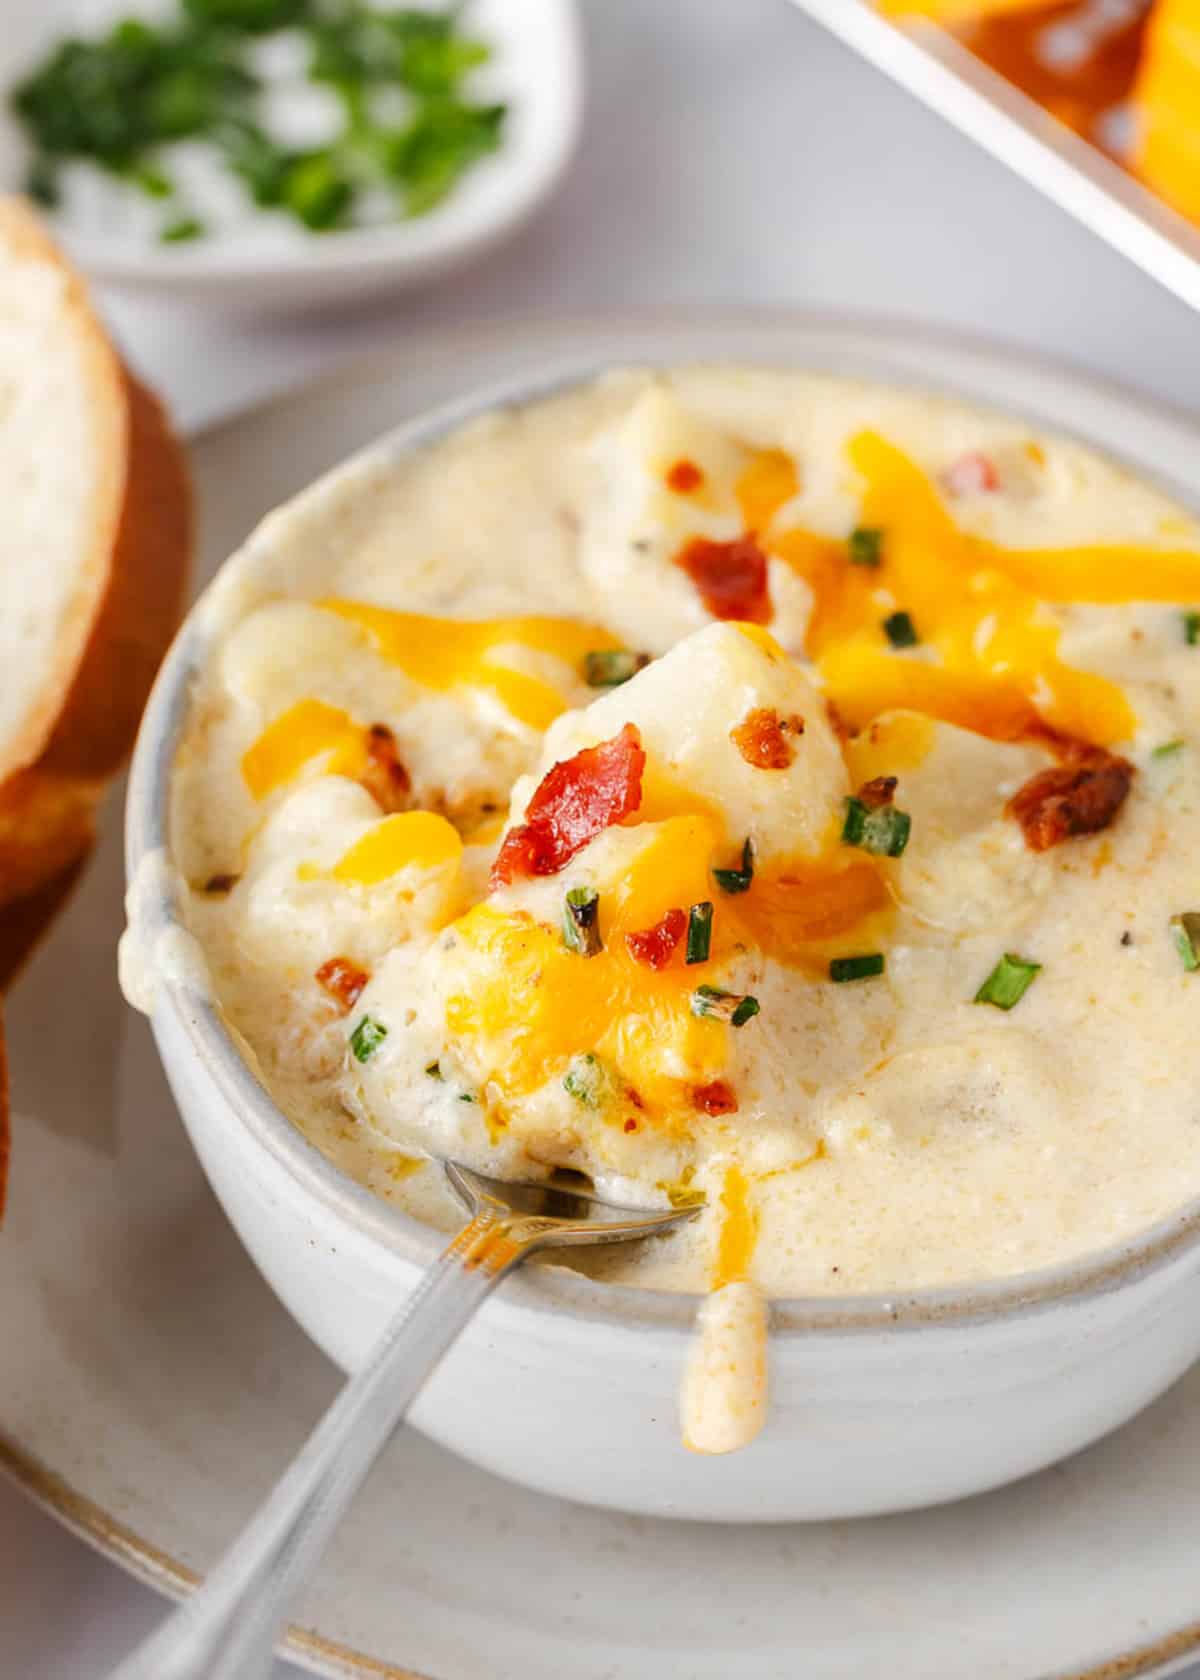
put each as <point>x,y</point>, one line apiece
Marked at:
<point>152,1387</point>
<point>537,69</point>
<point>939,70</point>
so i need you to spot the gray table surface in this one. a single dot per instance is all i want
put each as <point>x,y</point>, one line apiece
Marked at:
<point>732,154</point>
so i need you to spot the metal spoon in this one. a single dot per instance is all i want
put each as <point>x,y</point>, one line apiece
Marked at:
<point>227,1629</point>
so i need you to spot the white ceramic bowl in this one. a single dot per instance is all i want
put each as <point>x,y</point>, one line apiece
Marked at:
<point>537,70</point>
<point>570,1386</point>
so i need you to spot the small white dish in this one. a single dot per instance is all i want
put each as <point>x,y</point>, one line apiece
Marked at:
<point>160,1387</point>
<point>273,264</point>
<point>878,1404</point>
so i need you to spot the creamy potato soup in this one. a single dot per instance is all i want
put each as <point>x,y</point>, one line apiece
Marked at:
<point>749,789</point>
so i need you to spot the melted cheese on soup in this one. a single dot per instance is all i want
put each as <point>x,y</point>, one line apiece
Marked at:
<point>753,790</point>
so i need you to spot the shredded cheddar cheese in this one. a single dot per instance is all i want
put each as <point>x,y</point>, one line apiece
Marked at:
<point>307,731</point>
<point>408,838</point>
<point>979,609</point>
<point>446,653</point>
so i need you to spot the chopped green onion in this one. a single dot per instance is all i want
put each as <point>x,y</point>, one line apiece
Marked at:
<point>466,1096</point>
<point>434,1070</point>
<point>737,880</point>
<point>865,967</point>
<point>587,1080</point>
<point>1191,628</point>
<point>699,932</point>
<point>1008,982</point>
<point>1169,748</point>
<point>581,921</point>
<point>1185,931</point>
<point>735,1007</point>
<point>152,181</point>
<point>181,229</point>
<point>865,547</point>
<point>884,831</point>
<point>366,1038</point>
<point>610,667</point>
<point>900,630</point>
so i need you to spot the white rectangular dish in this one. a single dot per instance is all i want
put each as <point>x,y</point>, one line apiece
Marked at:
<point>944,75</point>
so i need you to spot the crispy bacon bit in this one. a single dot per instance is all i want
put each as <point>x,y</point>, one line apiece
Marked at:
<point>1081,796</point>
<point>343,980</point>
<point>764,739</point>
<point>684,477</point>
<point>972,474</point>
<point>219,885</point>
<point>731,577</point>
<point>655,946</point>
<point>630,1126</point>
<point>879,791</point>
<point>574,801</point>
<point>714,1098</point>
<point>385,778</point>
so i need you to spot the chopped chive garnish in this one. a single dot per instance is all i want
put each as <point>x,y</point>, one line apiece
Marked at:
<point>434,1070</point>
<point>366,1038</point>
<point>735,1007</point>
<point>1169,748</point>
<point>586,1079</point>
<point>610,667</point>
<point>865,967</point>
<point>467,1096</point>
<point>152,181</point>
<point>1185,931</point>
<point>1008,982</point>
<point>1191,628</point>
<point>581,921</point>
<point>181,229</point>
<point>699,932</point>
<point>865,547</point>
<point>900,630</point>
<point>884,830</point>
<point>737,880</point>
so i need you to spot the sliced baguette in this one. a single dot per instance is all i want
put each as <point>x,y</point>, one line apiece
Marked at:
<point>93,557</point>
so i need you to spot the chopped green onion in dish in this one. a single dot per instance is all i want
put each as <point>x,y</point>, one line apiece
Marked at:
<point>699,932</point>
<point>1169,748</point>
<point>1008,982</point>
<point>865,967</point>
<point>865,546</point>
<point>581,921</point>
<point>366,1038</point>
<point>884,831</point>
<point>735,1007</point>
<point>610,667</point>
<point>1185,931</point>
<point>434,1071</point>
<point>181,230</point>
<point>900,630</point>
<point>737,880</point>
<point>404,131</point>
<point>1191,628</point>
<point>587,1080</point>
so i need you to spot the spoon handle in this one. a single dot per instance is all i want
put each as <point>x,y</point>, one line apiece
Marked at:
<point>227,1629</point>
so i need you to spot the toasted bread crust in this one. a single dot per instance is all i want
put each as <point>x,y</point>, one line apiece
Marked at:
<point>127,602</point>
<point>5,1129</point>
